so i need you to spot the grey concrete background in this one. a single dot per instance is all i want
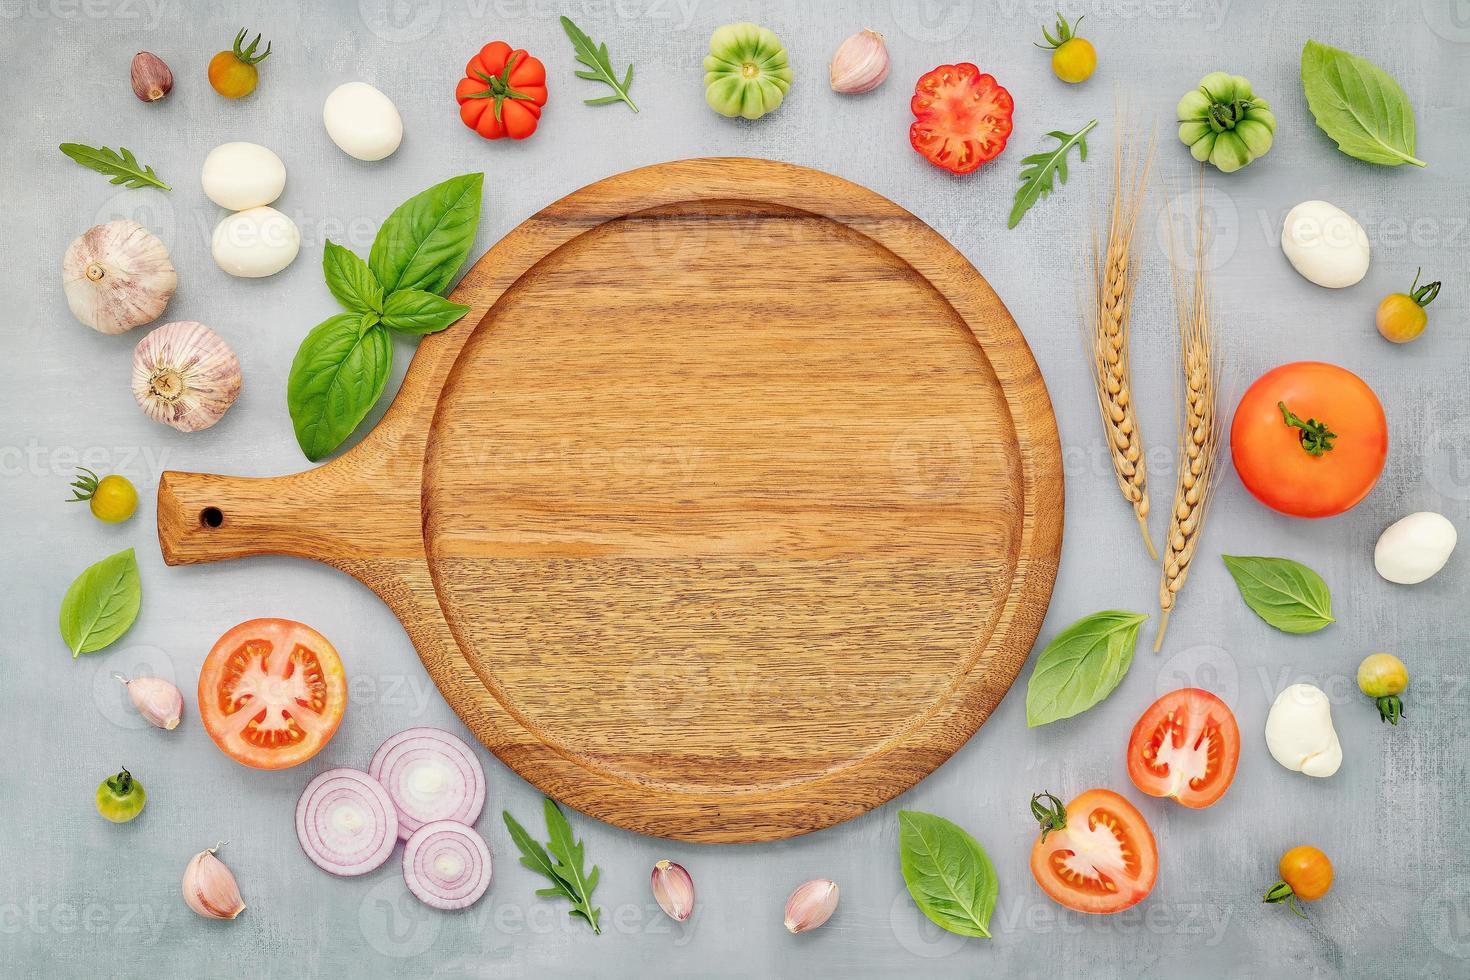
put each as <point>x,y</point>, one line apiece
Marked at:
<point>79,897</point>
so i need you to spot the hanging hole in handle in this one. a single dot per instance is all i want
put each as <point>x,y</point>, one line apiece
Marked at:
<point>211,517</point>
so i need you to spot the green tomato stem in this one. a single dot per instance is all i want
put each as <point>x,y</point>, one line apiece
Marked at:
<point>1050,813</point>
<point>1390,708</point>
<point>1426,295</point>
<point>1316,438</point>
<point>1281,892</point>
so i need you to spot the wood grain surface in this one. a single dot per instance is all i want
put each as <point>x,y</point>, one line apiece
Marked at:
<point>730,511</point>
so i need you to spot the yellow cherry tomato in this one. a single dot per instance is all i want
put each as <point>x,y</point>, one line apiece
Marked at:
<point>1401,316</point>
<point>1383,677</point>
<point>112,498</point>
<point>1306,874</point>
<point>232,73</point>
<point>1073,58</point>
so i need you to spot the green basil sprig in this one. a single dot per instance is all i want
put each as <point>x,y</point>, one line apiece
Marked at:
<point>342,366</point>
<point>1081,665</point>
<point>1359,106</point>
<point>101,604</point>
<point>947,872</point>
<point>1286,594</point>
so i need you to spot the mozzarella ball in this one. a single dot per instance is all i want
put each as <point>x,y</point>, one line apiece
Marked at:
<point>1414,548</point>
<point>240,176</point>
<point>362,121</point>
<point>1325,244</point>
<point>1299,731</point>
<point>255,243</point>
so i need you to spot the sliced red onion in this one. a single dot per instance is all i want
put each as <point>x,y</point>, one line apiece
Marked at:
<point>430,775</point>
<point>346,822</point>
<point>446,865</point>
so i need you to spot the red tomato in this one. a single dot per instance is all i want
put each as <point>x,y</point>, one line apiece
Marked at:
<point>1185,746</point>
<point>502,92</point>
<point>964,117</point>
<point>272,693</point>
<point>1102,858</point>
<point>1309,439</point>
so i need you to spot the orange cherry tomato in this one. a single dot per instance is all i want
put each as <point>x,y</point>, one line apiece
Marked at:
<point>1186,747</point>
<point>1095,855</point>
<point>1309,439</point>
<point>502,92</point>
<point>232,73</point>
<point>1306,874</point>
<point>272,693</point>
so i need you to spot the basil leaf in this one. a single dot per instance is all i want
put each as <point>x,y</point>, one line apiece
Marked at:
<point>1359,106</point>
<point>947,872</point>
<point>1286,594</point>
<point>1081,665</point>
<point>350,280</point>
<point>336,378</point>
<point>415,311</point>
<point>426,239</point>
<point>101,604</point>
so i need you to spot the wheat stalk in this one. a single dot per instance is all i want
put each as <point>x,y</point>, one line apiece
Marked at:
<point>1114,271</point>
<point>1199,430</point>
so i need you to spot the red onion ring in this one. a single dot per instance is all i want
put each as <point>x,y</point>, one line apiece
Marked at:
<point>430,775</point>
<point>446,865</point>
<point>346,822</point>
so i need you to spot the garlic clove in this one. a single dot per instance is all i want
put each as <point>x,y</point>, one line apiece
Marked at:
<point>117,276</point>
<point>158,701</point>
<point>210,888</point>
<point>673,889</point>
<point>151,78</point>
<point>811,905</point>
<point>185,375</point>
<point>860,64</point>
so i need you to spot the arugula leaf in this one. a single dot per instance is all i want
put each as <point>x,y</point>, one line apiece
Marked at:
<point>1286,594</point>
<point>350,280</point>
<point>947,873</point>
<point>426,238</point>
<point>595,57</point>
<point>1359,106</point>
<point>124,169</point>
<point>338,375</point>
<point>1081,665</point>
<point>563,866</point>
<point>101,603</point>
<point>415,311</point>
<point>1038,168</point>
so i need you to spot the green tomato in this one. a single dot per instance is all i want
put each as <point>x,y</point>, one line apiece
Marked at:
<point>1383,677</point>
<point>746,72</point>
<point>120,798</point>
<point>1224,123</point>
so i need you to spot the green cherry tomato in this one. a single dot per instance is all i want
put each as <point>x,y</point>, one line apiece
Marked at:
<point>746,72</point>
<point>1383,677</point>
<point>120,798</point>
<point>112,498</point>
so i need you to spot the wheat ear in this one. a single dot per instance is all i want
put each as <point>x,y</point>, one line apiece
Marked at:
<point>1114,271</point>
<point>1199,426</point>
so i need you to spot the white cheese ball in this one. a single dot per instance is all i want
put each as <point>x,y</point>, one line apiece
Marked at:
<point>255,243</point>
<point>1299,732</point>
<point>240,176</point>
<point>362,121</point>
<point>1414,548</point>
<point>1325,244</point>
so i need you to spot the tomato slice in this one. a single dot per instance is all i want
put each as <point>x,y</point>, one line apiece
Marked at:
<point>963,117</point>
<point>272,693</point>
<point>1186,747</point>
<point>1104,860</point>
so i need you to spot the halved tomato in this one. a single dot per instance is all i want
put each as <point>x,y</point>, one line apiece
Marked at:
<point>1095,855</point>
<point>272,693</point>
<point>1185,746</point>
<point>962,117</point>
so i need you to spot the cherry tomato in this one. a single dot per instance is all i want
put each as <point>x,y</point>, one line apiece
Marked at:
<point>1383,677</point>
<point>1309,439</point>
<point>963,117</point>
<point>1096,854</point>
<point>112,498</point>
<point>232,73</point>
<point>502,92</point>
<point>1306,874</point>
<point>1186,747</point>
<point>1073,58</point>
<point>120,798</point>
<point>1401,316</point>
<point>272,693</point>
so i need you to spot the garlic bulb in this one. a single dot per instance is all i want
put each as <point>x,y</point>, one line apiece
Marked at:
<point>210,888</point>
<point>117,276</point>
<point>158,701</point>
<point>673,889</point>
<point>811,905</point>
<point>185,376</point>
<point>860,64</point>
